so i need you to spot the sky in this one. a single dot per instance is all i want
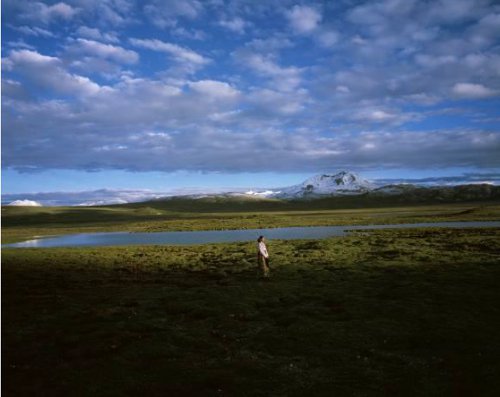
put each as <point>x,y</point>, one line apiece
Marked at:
<point>187,95</point>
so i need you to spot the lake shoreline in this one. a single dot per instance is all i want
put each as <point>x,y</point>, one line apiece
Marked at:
<point>101,239</point>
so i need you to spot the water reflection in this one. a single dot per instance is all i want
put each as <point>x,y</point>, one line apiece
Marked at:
<point>219,236</point>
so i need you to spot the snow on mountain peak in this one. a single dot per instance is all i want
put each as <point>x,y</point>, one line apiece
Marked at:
<point>25,203</point>
<point>342,178</point>
<point>266,193</point>
<point>343,182</point>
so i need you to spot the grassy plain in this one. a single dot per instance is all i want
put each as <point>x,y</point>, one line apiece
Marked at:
<point>388,313</point>
<point>22,223</point>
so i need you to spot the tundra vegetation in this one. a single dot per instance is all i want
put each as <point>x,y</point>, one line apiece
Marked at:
<point>391,312</point>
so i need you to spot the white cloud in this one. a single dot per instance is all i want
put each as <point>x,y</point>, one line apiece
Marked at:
<point>277,102</point>
<point>86,198</point>
<point>284,78</point>
<point>94,33</point>
<point>165,13</point>
<point>380,115</point>
<point>357,39</point>
<point>327,38</point>
<point>61,10</point>
<point>48,72</point>
<point>452,11</point>
<point>109,12</point>
<point>224,117</point>
<point>368,114</point>
<point>179,53</point>
<point>378,13</point>
<point>435,61</point>
<point>303,19</point>
<point>28,57</point>
<point>270,44</point>
<point>473,91</point>
<point>25,203</point>
<point>236,24</point>
<point>33,31</point>
<point>165,128</point>
<point>106,69</point>
<point>191,34</point>
<point>486,31</point>
<point>20,44</point>
<point>108,51</point>
<point>46,14</point>
<point>216,89</point>
<point>358,65</point>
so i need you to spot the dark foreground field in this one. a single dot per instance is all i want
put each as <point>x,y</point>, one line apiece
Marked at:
<point>396,313</point>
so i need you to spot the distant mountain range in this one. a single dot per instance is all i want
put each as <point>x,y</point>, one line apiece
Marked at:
<point>350,184</point>
<point>341,190</point>
<point>345,186</point>
<point>342,183</point>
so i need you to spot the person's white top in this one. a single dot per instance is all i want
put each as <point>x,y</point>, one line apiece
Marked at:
<point>262,249</point>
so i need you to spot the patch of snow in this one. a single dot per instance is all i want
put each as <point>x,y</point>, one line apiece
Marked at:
<point>266,193</point>
<point>102,202</point>
<point>25,203</point>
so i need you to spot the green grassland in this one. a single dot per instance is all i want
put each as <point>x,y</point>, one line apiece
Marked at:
<point>394,312</point>
<point>409,312</point>
<point>21,223</point>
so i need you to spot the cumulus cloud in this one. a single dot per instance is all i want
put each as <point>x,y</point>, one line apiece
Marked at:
<point>236,24</point>
<point>328,38</point>
<point>469,90</point>
<point>209,125</point>
<point>294,93</point>
<point>269,102</point>
<point>32,31</point>
<point>191,34</point>
<point>101,50</point>
<point>96,34</point>
<point>215,89</point>
<point>46,14</point>
<point>378,115</point>
<point>20,44</point>
<point>106,13</point>
<point>164,13</point>
<point>373,14</point>
<point>178,53</point>
<point>270,44</point>
<point>452,11</point>
<point>47,72</point>
<point>283,78</point>
<point>303,19</point>
<point>84,198</point>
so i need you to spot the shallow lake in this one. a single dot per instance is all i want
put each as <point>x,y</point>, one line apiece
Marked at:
<point>220,236</point>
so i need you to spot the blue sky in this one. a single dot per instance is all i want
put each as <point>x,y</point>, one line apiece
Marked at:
<point>183,95</point>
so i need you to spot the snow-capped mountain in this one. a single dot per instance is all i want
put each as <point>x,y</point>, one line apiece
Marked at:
<point>342,183</point>
<point>25,203</point>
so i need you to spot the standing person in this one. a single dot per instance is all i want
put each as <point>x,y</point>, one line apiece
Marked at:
<point>263,256</point>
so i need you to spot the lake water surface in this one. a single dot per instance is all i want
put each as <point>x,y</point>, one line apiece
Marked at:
<point>220,236</point>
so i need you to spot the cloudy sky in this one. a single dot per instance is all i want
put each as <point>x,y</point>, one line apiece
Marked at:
<point>180,94</point>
